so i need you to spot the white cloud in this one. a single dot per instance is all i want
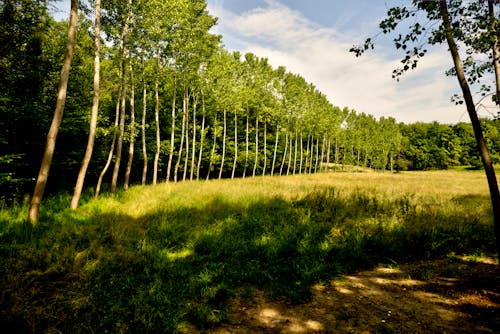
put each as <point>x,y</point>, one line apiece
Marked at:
<point>320,55</point>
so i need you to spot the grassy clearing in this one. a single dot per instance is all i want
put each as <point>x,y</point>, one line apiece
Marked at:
<point>163,258</point>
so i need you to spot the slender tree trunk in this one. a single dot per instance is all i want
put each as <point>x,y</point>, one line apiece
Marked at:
<point>112,148</point>
<point>186,157</point>
<point>157,127</point>
<point>264,167</point>
<point>283,160</point>
<point>132,130</point>
<point>235,143</point>
<point>307,166</point>
<point>295,151</point>
<point>290,155</point>
<point>327,167</point>
<point>247,144</point>
<point>50,145</point>
<point>184,111</point>
<point>95,109</point>
<point>123,71</point>
<point>212,153</point>
<point>256,145</point>
<point>322,153</point>
<point>495,48</point>
<point>143,124</point>
<point>202,139</point>
<point>301,153</point>
<point>317,156</point>
<point>476,125</point>
<point>193,151</point>
<point>172,132</point>
<point>223,147</point>
<point>275,152</point>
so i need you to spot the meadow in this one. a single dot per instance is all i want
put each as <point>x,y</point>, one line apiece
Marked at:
<point>164,258</point>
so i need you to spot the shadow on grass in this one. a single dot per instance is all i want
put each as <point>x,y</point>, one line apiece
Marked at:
<point>178,266</point>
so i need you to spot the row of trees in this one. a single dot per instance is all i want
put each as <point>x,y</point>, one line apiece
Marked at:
<point>169,103</point>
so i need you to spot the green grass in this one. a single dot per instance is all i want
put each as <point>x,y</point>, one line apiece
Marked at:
<point>163,258</point>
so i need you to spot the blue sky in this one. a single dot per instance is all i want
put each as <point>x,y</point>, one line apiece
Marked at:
<point>312,38</point>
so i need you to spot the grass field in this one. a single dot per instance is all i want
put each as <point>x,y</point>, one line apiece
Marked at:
<point>164,258</point>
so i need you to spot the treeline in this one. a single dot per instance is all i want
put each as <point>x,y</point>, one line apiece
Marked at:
<point>175,105</point>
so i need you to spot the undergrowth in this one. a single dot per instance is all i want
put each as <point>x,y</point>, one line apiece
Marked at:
<point>112,267</point>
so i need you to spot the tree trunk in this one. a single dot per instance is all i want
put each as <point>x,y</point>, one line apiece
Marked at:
<point>495,48</point>
<point>202,139</point>
<point>235,143</point>
<point>283,160</point>
<point>327,167</point>
<point>184,111</point>
<point>112,148</point>
<point>223,147</point>
<point>143,124</point>
<point>476,125</point>
<point>265,149</point>
<point>289,155</point>
<point>322,153</point>
<point>247,144</point>
<point>307,167</point>
<point>157,126</point>
<point>295,151</point>
<point>172,132</point>
<point>50,145</point>
<point>123,70</point>
<point>212,153</point>
<point>317,157</point>
<point>95,109</point>
<point>275,152</point>
<point>132,130</point>
<point>301,153</point>
<point>186,157</point>
<point>256,145</point>
<point>193,151</point>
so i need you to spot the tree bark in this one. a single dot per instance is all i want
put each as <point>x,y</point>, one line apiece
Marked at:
<point>295,151</point>
<point>247,144</point>
<point>95,108</point>
<point>265,148</point>
<point>275,152</point>
<point>495,48</point>
<point>476,125</point>
<point>111,149</point>
<point>183,127</point>
<point>132,130</point>
<point>301,153</point>
<point>186,156</point>
<point>235,143</point>
<point>50,145</point>
<point>143,124</point>
<point>283,160</point>
<point>223,146</point>
<point>157,121</point>
<point>212,153</point>
<point>172,132</point>
<point>256,145</point>
<point>119,144</point>
<point>193,151</point>
<point>202,139</point>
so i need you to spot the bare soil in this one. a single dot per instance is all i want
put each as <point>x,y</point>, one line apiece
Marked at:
<point>452,295</point>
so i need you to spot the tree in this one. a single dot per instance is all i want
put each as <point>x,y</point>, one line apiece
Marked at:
<point>95,108</point>
<point>454,21</point>
<point>43,174</point>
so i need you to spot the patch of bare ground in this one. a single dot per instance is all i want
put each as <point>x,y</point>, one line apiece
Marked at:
<point>452,295</point>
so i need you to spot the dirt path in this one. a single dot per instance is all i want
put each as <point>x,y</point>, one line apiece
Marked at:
<point>445,296</point>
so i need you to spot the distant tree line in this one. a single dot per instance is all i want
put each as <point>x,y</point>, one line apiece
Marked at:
<point>175,105</point>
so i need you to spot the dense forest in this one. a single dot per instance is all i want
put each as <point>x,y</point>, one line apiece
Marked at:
<point>175,105</point>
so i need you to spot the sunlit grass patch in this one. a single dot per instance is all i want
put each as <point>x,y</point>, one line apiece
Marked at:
<point>163,258</point>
